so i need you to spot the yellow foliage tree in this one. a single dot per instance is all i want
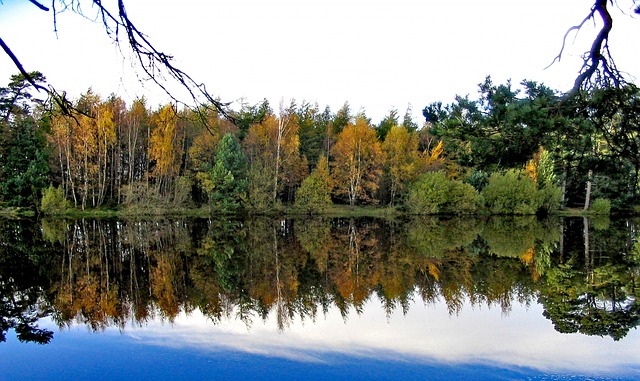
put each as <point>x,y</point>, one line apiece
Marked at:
<point>357,162</point>
<point>401,159</point>
<point>165,148</point>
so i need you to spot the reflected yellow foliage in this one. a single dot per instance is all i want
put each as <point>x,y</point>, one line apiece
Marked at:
<point>129,270</point>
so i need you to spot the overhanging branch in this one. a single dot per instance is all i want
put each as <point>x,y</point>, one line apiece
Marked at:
<point>598,68</point>
<point>153,62</point>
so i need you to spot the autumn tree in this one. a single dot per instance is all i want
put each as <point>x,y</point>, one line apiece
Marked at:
<point>84,145</point>
<point>357,161</point>
<point>273,146</point>
<point>401,160</point>
<point>165,151</point>
<point>135,133</point>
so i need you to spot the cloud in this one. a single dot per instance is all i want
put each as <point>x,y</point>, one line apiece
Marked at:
<point>523,338</point>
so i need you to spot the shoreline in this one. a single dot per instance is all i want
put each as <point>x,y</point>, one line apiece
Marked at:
<point>334,211</point>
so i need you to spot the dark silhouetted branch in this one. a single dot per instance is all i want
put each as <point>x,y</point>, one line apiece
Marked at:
<point>598,68</point>
<point>37,4</point>
<point>153,62</point>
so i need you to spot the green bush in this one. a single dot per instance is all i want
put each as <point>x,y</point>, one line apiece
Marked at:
<point>463,199</point>
<point>53,201</point>
<point>433,193</point>
<point>550,198</point>
<point>601,206</point>
<point>511,193</point>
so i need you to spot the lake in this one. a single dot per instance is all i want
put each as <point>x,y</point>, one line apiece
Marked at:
<point>501,298</point>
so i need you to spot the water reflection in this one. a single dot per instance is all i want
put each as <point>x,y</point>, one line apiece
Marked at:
<point>103,273</point>
<point>108,273</point>
<point>497,290</point>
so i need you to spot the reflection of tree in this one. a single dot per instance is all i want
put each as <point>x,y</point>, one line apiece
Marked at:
<point>593,289</point>
<point>438,250</point>
<point>106,273</point>
<point>524,237</point>
<point>111,271</point>
<point>21,283</point>
<point>511,236</point>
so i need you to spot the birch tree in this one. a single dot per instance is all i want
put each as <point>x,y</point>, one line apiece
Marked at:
<point>357,161</point>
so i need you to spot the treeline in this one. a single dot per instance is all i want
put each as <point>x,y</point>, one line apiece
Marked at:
<point>468,157</point>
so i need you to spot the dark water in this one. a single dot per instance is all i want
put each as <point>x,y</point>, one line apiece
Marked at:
<point>426,298</point>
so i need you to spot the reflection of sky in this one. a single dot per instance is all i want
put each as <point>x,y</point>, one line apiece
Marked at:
<point>524,338</point>
<point>426,338</point>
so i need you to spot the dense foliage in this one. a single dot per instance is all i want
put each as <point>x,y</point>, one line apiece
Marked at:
<point>513,150</point>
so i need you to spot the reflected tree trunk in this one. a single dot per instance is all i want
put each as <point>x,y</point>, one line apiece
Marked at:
<point>587,254</point>
<point>561,244</point>
<point>281,316</point>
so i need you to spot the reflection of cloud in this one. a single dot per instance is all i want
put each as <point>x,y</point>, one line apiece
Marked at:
<point>524,338</point>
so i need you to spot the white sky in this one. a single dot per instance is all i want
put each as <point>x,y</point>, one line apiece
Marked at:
<point>374,54</point>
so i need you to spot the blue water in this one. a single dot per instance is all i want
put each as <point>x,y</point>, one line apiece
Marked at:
<point>78,355</point>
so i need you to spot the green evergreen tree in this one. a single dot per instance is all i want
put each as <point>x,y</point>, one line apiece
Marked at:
<point>24,166</point>
<point>389,121</point>
<point>228,185</point>
<point>315,192</point>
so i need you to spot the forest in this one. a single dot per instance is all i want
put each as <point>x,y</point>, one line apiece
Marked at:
<point>512,149</point>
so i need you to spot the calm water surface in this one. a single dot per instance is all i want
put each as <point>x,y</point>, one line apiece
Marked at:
<point>428,298</point>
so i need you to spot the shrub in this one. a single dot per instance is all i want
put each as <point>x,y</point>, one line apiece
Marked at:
<point>428,194</point>
<point>511,193</point>
<point>463,199</point>
<point>53,201</point>
<point>433,193</point>
<point>600,206</point>
<point>550,198</point>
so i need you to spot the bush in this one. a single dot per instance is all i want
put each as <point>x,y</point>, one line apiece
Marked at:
<point>600,206</point>
<point>550,198</point>
<point>53,201</point>
<point>433,193</point>
<point>511,193</point>
<point>463,199</point>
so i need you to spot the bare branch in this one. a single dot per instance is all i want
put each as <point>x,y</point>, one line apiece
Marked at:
<point>59,99</point>
<point>564,39</point>
<point>595,57</point>
<point>16,62</point>
<point>37,4</point>
<point>598,68</point>
<point>153,62</point>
